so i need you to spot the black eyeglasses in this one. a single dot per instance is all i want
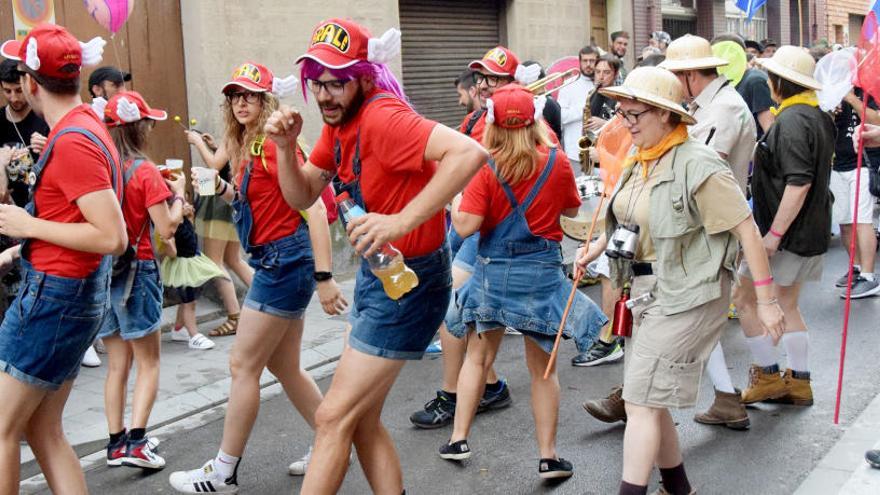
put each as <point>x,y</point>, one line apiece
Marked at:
<point>248,96</point>
<point>632,117</point>
<point>334,87</point>
<point>490,80</point>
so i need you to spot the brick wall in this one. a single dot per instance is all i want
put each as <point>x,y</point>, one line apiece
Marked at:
<point>838,12</point>
<point>647,18</point>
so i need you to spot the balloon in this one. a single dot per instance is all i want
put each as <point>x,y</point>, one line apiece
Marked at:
<point>111,14</point>
<point>562,65</point>
<point>736,56</point>
<point>835,73</point>
<point>869,56</point>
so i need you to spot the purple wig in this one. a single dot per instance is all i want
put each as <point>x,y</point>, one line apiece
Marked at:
<point>379,73</point>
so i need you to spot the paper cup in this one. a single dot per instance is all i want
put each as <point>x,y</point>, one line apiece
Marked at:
<point>206,180</point>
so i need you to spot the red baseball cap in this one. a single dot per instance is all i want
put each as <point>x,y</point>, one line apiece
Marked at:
<point>513,107</point>
<point>252,77</point>
<point>499,61</point>
<point>126,107</point>
<point>49,50</point>
<point>338,43</point>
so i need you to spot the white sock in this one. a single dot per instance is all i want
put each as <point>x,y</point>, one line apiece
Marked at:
<point>718,373</point>
<point>868,276</point>
<point>797,347</point>
<point>225,463</point>
<point>763,350</point>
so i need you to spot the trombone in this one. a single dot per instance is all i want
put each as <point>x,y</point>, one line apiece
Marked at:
<point>539,87</point>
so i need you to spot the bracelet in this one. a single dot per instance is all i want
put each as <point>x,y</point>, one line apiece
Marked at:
<point>323,276</point>
<point>225,187</point>
<point>762,283</point>
<point>771,302</point>
<point>775,234</point>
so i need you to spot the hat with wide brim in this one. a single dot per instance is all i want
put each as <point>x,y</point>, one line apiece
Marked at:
<point>793,64</point>
<point>691,53</point>
<point>653,86</point>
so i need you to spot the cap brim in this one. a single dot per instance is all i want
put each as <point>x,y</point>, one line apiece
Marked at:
<point>244,85</point>
<point>328,60</point>
<point>693,64</point>
<point>622,92</point>
<point>480,64</point>
<point>155,114</point>
<point>789,75</point>
<point>10,49</point>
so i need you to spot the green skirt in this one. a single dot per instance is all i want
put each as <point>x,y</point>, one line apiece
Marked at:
<point>189,272</point>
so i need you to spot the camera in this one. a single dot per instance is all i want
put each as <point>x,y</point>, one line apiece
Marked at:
<point>624,242</point>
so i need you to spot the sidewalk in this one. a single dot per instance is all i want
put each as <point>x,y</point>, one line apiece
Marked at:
<point>190,381</point>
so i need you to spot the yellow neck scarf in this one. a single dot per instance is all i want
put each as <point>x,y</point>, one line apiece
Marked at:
<point>806,98</point>
<point>646,156</point>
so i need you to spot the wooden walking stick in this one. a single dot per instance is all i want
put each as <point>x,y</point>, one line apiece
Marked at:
<point>577,276</point>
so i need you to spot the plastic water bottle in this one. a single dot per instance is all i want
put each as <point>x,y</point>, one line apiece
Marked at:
<point>387,263</point>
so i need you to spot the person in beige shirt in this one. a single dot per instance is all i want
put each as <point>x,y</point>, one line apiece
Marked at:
<point>725,124</point>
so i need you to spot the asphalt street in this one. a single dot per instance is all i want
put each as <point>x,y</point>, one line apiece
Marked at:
<point>773,457</point>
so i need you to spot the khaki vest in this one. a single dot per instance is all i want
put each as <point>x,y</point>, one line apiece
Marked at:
<point>689,260</point>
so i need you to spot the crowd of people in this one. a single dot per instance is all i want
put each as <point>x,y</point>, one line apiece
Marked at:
<point>718,200</point>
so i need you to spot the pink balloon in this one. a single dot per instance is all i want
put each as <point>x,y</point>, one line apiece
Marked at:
<point>111,14</point>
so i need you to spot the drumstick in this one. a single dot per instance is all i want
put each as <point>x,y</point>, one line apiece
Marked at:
<point>577,276</point>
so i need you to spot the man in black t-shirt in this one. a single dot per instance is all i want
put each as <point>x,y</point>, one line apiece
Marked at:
<point>843,187</point>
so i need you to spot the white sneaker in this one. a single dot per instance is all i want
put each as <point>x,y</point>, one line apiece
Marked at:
<point>200,343</point>
<point>153,443</point>
<point>203,480</point>
<point>511,331</point>
<point>298,468</point>
<point>91,359</point>
<point>181,335</point>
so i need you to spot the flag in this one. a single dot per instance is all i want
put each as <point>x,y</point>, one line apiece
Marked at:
<point>750,7</point>
<point>867,75</point>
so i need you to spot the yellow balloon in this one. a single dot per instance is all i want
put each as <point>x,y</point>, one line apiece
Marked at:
<point>177,118</point>
<point>193,122</point>
<point>736,56</point>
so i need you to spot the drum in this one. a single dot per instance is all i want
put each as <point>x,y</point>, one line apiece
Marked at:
<point>590,188</point>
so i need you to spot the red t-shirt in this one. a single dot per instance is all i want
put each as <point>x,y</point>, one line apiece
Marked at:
<point>480,127</point>
<point>145,189</point>
<point>485,197</point>
<point>393,166</point>
<point>76,167</point>
<point>273,217</point>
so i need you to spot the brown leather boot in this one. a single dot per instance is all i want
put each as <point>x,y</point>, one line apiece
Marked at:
<point>800,393</point>
<point>727,410</point>
<point>610,409</point>
<point>763,386</point>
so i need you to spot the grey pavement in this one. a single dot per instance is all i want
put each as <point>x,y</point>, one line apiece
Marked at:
<point>777,456</point>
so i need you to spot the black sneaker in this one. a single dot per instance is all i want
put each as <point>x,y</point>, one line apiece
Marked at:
<point>841,282</point>
<point>457,451</point>
<point>555,468</point>
<point>438,412</point>
<point>494,400</point>
<point>599,353</point>
<point>873,458</point>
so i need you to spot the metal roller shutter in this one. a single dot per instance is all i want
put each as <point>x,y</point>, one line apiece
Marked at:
<point>439,38</point>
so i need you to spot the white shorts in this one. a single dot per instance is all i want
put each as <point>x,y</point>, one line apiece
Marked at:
<point>843,187</point>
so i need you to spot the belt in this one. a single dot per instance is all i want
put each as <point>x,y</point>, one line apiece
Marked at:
<point>642,269</point>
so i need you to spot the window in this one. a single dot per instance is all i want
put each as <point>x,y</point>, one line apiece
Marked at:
<point>737,22</point>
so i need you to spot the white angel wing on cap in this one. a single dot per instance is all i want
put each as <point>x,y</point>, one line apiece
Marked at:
<point>385,49</point>
<point>540,102</point>
<point>284,86</point>
<point>127,111</point>
<point>93,51</point>
<point>32,59</point>
<point>527,75</point>
<point>98,106</point>
<point>490,111</point>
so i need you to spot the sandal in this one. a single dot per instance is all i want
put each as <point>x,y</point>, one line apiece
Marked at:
<point>229,327</point>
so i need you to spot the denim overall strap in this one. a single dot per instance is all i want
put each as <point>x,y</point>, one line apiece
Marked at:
<point>131,273</point>
<point>353,188</point>
<point>242,216</point>
<point>40,167</point>
<point>539,184</point>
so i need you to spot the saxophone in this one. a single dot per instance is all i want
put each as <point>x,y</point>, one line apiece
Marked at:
<point>588,138</point>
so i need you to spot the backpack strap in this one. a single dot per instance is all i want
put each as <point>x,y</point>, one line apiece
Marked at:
<point>472,122</point>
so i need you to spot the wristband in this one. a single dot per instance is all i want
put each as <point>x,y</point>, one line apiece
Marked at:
<point>762,283</point>
<point>775,234</point>
<point>323,276</point>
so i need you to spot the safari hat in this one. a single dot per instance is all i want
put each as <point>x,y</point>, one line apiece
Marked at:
<point>654,86</point>
<point>691,53</point>
<point>793,64</point>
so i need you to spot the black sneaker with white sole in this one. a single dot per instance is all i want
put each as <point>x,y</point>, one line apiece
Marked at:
<point>437,413</point>
<point>456,451</point>
<point>555,468</point>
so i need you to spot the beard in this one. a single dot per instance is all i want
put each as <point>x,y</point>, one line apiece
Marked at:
<point>347,112</point>
<point>18,106</point>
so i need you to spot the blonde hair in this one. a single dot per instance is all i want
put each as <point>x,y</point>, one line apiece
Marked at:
<point>238,138</point>
<point>515,150</point>
<point>131,139</point>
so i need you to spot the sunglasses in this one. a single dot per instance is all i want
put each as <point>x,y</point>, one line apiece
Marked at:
<point>248,96</point>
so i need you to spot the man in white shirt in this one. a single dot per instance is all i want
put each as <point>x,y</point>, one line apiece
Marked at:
<point>572,99</point>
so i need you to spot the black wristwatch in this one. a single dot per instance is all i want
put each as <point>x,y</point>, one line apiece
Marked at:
<point>323,276</point>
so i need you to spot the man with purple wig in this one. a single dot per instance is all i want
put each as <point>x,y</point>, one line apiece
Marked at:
<point>402,169</point>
